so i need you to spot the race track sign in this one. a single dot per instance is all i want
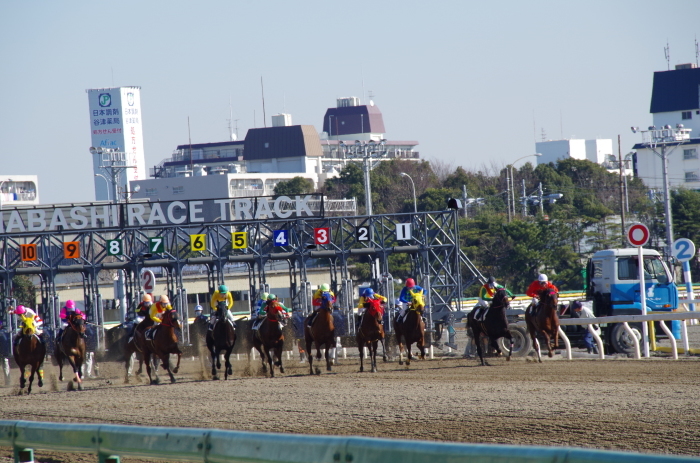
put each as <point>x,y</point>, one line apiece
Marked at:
<point>148,281</point>
<point>281,237</point>
<point>198,242</point>
<point>156,245</point>
<point>71,250</point>
<point>683,249</point>
<point>638,234</point>
<point>239,240</point>
<point>362,233</point>
<point>28,252</point>
<point>322,235</point>
<point>403,231</point>
<point>114,248</point>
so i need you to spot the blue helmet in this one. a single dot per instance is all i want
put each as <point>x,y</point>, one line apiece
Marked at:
<point>369,292</point>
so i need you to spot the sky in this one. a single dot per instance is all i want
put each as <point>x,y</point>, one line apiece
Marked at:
<point>475,83</point>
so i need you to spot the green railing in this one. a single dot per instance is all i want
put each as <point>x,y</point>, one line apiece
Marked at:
<point>110,442</point>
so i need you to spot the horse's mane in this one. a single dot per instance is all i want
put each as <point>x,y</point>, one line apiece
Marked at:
<point>374,307</point>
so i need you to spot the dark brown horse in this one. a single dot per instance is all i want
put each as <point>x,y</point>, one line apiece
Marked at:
<point>134,346</point>
<point>220,340</point>
<point>494,325</point>
<point>411,329</point>
<point>370,332</point>
<point>269,340</point>
<point>161,341</point>
<point>29,350</point>
<point>72,348</point>
<point>545,322</point>
<point>322,333</point>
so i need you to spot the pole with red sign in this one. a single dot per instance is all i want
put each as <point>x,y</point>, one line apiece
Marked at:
<point>638,235</point>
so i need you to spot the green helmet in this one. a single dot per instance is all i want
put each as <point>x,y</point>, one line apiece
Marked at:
<point>223,289</point>
<point>271,297</point>
<point>325,287</point>
<point>263,296</point>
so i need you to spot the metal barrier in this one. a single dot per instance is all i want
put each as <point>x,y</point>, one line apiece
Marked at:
<point>110,442</point>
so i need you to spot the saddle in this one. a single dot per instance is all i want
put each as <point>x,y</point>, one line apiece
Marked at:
<point>150,333</point>
<point>480,313</point>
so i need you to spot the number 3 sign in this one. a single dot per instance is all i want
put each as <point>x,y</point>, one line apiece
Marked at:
<point>322,235</point>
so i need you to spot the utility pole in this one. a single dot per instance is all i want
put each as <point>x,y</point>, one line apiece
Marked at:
<point>540,195</point>
<point>622,198</point>
<point>524,200</point>
<point>508,193</point>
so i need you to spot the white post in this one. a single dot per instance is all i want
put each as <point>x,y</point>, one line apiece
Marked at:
<point>643,300</point>
<point>689,289</point>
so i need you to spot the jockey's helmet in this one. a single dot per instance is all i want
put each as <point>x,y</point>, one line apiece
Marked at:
<point>325,287</point>
<point>491,281</point>
<point>70,305</point>
<point>223,289</point>
<point>369,292</point>
<point>19,310</point>
<point>164,299</point>
<point>198,308</point>
<point>410,282</point>
<point>263,296</point>
<point>271,297</point>
<point>147,298</point>
<point>542,278</point>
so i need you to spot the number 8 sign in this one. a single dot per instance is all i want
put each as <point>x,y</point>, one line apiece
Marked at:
<point>322,235</point>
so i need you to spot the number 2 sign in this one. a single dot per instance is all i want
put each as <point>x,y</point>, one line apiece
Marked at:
<point>322,235</point>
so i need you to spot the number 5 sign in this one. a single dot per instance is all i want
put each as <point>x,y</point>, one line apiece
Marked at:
<point>322,235</point>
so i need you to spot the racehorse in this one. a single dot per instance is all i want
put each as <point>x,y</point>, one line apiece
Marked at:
<point>221,339</point>
<point>370,332</point>
<point>30,351</point>
<point>161,341</point>
<point>545,321</point>
<point>322,333</point>
<point>135,346</point>
<point>411,329</point>
<point>494,325</point>
<point>72,348</point>
<point>268,338</point>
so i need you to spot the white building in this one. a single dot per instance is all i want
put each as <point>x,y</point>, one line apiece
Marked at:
<point>597,151</point>
<point>19,190</point>
<point>115,124</point>
<point>675,102</point>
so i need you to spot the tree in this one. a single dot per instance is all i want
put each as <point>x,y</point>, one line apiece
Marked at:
<point>24,291</point>
<point>295,186</point>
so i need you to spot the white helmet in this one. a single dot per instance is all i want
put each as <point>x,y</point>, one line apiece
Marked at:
<point>542,277</point>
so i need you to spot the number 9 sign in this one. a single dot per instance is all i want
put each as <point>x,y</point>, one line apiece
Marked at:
<point>683,249</point>
<point>322,235</point>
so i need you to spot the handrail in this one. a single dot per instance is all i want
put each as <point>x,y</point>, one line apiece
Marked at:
<point>214,446</point>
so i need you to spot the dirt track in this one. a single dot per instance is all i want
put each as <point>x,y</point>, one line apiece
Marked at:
<point>647,406</point>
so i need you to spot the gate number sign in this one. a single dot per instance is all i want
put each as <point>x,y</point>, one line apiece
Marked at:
<point>71,250</point>
<point>322,235</point>
<point>362,233</point>
<point>198,242</point>
<point>28,251</point>
<point>683,249</point>
<point>156,244</point>
<point>114,248</point>
<point>403,231</point>
<point>281,237</point>
<point>239,240</point>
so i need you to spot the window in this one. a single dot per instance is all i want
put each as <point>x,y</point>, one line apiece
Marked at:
<point>178,190</point>
<point>597,269</point>
<point>690,154</point>
<point>654,269</point>
<point>686,115</point>
<point>692,176</point>
<point>151,191</point>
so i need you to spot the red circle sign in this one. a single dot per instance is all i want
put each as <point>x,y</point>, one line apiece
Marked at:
<point>638,235</point>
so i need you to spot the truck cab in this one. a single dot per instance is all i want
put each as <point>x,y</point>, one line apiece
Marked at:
<point>613,286</point>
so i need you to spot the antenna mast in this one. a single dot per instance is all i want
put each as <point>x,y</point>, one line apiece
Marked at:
<point>262,89</point>
<point>697,51</point>
<point>667,54</point>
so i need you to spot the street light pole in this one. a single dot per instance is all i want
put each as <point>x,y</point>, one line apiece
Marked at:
<point>511,185</point>
<point>106,180</point>
<point>367,151</point>
<point>413,186</point>
<point>662,138</point>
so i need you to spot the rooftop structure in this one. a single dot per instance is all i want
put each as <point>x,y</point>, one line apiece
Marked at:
<point>19,190</point>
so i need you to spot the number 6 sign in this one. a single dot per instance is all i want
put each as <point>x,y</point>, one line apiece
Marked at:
<point>322,235</point>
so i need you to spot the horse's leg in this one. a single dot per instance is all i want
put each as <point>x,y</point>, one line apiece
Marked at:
<point>179,357</point>
<point>278,352</point>
<point>537,347</point>
<point>510,338</point>
<point>214,354</point>
<point>361,347</point>
<point>31,377</point>
<point>373,353</point>
<point>309,343</point>
<point>409,356</point>
<point>421,345</point>
<point>548,340</point>
<point>329,345</point>
<point>229,367</point>
<point>269,354</point>
<point>40,371</point>
<point>22,379</point>
<point>147,361</point>
<point>399,342</point>
<point>165,358</point>
<point>477,340</point>
<point>59,360</point>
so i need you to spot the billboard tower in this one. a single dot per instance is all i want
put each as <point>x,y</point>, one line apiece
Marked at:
<point>115,126</point>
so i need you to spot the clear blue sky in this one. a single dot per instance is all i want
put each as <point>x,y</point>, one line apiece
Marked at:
<point>474,82</point>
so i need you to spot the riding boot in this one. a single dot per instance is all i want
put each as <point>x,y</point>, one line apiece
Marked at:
<point>312,318</point>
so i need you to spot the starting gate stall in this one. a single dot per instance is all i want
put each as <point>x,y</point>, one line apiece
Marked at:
<point>127,238</point>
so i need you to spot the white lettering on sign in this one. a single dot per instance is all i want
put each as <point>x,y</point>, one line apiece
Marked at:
<point>157,215</point>
<point>278,207</point>
<point>263,211</point>
<point>303,206</point>
<point>77,214</point>
<point>95,216</point>
<point>36,220</point>
<point>243,207</point>
<point>195,209</point>
<point>135,212</point>
<point>171,208</point>
<point>58,220</point>
<point>224,204</point>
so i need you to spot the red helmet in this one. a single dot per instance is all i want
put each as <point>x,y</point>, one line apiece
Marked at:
<point>410,283</point>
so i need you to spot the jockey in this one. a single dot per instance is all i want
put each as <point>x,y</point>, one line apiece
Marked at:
<point>263,311</point>
<point>260,306</point>
<point>317,299</point>
<point>144,307</point>
<point>67,313</point>
<point>366,295</point>
<point>406,294</point>
<point>156,311</point>
<point>488,290</point>
<point>536,289</point>
<point>198,316</point>
<point>221,295</point>
<point>25,314</point>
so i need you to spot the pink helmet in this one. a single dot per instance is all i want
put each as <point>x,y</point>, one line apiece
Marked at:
<point>70,305</point>
<point>410,283</point>
<point>19,310</point>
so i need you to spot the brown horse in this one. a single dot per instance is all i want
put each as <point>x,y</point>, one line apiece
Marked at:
<point>161,341</point>
<point>72,348</point>
<point>545,322</point>
<point>494,325</point>
<point>269,340</point>
<point>134,346</point>
<point>411,329</point>
<point>29,350</point>
<point>220,340</point>
<point>322,333</point>
<point>370,332</point>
